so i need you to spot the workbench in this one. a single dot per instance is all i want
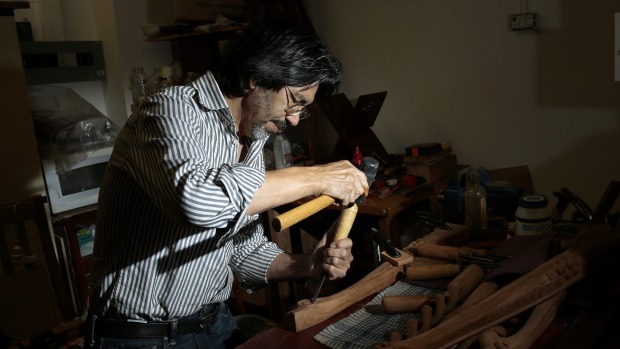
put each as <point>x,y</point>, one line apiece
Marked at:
<point>589,301</point>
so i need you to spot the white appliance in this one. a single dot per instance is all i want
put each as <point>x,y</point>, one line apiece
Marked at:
<point>78,186</point>
<point>74,137</point>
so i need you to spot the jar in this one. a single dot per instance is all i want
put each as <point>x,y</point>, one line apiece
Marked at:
<point>533,215</point>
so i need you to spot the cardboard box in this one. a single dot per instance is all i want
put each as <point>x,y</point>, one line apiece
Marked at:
<point>436,170</point>
<point>180,11</point>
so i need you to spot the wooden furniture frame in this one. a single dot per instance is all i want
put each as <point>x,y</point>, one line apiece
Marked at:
<point>35,282</point>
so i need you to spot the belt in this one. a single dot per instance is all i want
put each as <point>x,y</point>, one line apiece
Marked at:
<point>133,329</point>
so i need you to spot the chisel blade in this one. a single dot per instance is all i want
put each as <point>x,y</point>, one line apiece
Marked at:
<point>318,289</point>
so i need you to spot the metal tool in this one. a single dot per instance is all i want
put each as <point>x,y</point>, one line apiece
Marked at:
<point>369,166</point>
<point>379,240</point>
<point>345,222</point>
<point>426,219</point>
<point>582,211</point>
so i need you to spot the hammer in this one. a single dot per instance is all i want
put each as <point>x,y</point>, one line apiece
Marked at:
<point>287,219</point>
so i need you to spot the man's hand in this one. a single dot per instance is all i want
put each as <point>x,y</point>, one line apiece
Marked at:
<point>341,180</point>
<point>333,259</point>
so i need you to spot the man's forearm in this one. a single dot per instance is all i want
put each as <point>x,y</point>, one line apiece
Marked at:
<point>287,267</point>
<point>281,187</point>
<point>340,180</point>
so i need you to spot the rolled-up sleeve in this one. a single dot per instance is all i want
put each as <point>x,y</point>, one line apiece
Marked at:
<point>253,255</point>
<point>186,162</point>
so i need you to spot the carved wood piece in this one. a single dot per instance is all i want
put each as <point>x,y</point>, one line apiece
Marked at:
<point>537,322</point>
<point>432,271</point>
<point>447,253</point>
<point>592,248</point>
<point>480,293</point>
<point>501,330</point>
<point>412,327</point>
<point>440,308</point>
<point>396,336</point>
<point>309,314</point>
<point>463,284</point>
<point>403,304</point>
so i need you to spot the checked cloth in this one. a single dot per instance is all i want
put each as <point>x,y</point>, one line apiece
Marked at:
<point>370,326</point>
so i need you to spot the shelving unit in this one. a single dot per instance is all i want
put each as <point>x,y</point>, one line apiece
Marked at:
<point>67,228</point>
<point>199,51</point>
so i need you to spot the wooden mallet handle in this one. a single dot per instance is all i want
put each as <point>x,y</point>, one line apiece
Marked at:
<point>301,212</point>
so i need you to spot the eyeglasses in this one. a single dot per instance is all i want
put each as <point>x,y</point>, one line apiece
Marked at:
<point>303,112</point>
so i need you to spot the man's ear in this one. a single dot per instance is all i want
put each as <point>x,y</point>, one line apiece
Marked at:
<point>252,84</point>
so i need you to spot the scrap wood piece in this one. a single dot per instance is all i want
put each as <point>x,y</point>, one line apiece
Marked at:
<point>593,246</point>
<point>309,314</point>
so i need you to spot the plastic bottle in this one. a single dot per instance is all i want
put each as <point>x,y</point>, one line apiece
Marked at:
<point>282,151</point>
<point>475,203</point>
<point>138,81</point>
<point>532,215</point>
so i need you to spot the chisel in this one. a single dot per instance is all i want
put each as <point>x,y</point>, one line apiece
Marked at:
<point>345,222</point>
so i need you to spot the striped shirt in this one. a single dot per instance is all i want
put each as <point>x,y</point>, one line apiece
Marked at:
<point>172,226</point>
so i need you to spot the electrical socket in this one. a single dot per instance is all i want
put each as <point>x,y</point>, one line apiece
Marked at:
<point>522,21</point>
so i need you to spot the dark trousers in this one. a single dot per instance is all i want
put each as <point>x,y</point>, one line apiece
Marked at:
<point>220,334</point>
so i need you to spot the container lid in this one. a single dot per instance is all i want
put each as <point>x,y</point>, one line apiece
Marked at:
<point>533,201</point>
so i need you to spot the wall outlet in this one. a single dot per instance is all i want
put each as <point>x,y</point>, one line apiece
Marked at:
<point>522,21</point>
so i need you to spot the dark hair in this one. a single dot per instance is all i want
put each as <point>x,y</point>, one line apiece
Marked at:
<point>279,53</point>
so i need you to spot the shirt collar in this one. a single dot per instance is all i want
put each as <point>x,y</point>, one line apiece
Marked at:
<point>209,93</point>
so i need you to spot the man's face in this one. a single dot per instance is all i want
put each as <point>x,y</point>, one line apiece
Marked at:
<point>273,110</point>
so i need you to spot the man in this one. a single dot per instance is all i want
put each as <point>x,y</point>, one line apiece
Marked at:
<point>178,208</point>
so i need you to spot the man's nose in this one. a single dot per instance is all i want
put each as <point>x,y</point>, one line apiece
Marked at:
<point>292,119</point>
